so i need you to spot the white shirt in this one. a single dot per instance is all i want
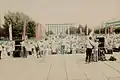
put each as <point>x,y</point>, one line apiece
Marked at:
<point>96,45</point>
<point>88,43</point>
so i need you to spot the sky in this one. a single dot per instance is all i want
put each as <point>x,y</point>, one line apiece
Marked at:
<point>90,12</point>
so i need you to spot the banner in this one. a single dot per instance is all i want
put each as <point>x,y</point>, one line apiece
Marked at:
<point>80,30</point>
<point>92,33</point>
<point>99,30</point>
<point>105,30</point>
<point>38,30</point>
<point>86,30</point>
<point>10,32</point>
<point>24,31</point>
<point>68,30</point>
<point>110,29</point>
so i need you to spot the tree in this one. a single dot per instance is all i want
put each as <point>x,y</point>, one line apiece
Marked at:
<point>117,30</point>
<point>73,30</point>
<point>17,19</point>
<point>49,33</point>
<point>31,28</point>
<point>96,31</point>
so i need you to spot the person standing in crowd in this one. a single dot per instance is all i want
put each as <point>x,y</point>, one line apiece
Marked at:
<point>0,51</point>
<point>54,48</point>
<point>89,46</point>
<point>24,54</point>
<point>38,51</point>
<point>96,50</point>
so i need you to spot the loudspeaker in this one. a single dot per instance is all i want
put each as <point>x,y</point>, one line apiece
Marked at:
<point>101,44</point>
<point>101,41</point>
<point>17,42</point>
<point>16,53</point>
<point>17,48</point>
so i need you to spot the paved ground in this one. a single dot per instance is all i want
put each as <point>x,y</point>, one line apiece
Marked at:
<point>58,67</point>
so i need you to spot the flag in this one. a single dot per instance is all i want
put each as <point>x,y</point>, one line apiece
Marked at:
<point>68,30</point>
<point>39,30</point>
<point>36,31</point>
<point>10,32</point>
<point>24,31</point>
<point>80,30</point>
<point>92,33</point>
<point>110,29</point>
<point>99,30</point>
<point>86,30</point>
<point>105,30</point>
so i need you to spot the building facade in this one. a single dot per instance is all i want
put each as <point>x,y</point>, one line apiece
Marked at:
<point>111,25</point>
<point>59,28</point>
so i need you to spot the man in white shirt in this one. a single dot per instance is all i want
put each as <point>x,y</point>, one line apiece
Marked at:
<point>89,46</point>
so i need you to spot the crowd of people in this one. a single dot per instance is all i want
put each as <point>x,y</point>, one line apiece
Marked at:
<point>50,45</point>
<point>94,50</point>
<point>70,44</point>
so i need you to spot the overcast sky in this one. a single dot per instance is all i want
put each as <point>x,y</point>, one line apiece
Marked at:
<point>91,12</point>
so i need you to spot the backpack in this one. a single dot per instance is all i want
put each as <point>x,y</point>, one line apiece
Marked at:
<point>112,58</point>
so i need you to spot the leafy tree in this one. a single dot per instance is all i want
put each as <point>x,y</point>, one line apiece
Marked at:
<point>49,33</point>
<point>17,19</point>
<point>96,31</point>
<point>117,30</point>
<point>73,30</point>
<point>31,28</point>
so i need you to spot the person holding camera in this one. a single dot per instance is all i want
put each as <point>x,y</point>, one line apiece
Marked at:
<point>89,47</point>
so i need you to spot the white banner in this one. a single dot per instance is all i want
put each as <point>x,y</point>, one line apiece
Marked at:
<point>80,30</point>
<point>68,30</point>
<point>10,32</point>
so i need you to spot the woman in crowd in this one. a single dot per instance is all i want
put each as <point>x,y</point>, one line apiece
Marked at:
<point>96,50</point>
